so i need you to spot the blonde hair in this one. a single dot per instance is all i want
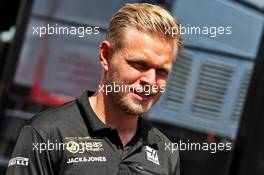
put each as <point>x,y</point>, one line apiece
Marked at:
<point>147,18</point>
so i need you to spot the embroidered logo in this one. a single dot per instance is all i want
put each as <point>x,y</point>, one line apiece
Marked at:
<point>18,161</point>
<point>152,155</point>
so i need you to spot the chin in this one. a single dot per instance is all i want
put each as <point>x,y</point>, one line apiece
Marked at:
<point>134,107</point>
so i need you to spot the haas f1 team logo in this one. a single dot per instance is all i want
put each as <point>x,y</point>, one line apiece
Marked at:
<point>152,155</point>
<point>81,147</point>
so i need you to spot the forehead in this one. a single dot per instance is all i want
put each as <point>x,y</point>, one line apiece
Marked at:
<point>150,48</point>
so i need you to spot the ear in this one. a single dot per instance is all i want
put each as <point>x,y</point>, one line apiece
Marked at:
<point>105,55</point>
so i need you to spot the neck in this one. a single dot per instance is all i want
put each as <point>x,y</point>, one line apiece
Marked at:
<point>114,117</point>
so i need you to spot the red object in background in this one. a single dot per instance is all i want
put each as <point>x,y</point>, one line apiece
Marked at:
<point>48,98</point>
<point>210,137</point>
<point>45,97</point>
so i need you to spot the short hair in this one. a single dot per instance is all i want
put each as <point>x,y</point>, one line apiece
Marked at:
<point>147,18</point>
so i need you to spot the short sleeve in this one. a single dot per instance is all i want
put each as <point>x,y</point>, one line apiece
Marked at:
<point>27,158</point>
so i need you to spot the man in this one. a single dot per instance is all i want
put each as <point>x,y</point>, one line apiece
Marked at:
<point>105,134</point>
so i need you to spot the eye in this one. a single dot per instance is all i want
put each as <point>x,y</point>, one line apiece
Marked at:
<point>138,65</point>
<point>163,72</point>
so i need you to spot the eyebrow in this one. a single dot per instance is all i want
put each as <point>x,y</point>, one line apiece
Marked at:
<point>166,67</point>
<point>142,60</point>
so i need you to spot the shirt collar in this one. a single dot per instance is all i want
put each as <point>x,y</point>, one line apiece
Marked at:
<point>93,123</point>
<point>145,131</point>
<point>148,134</point>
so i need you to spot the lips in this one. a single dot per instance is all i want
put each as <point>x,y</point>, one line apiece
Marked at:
<point>143,93</point>
<point>142,96</point>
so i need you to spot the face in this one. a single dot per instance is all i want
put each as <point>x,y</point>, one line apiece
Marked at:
<point>141,68</point>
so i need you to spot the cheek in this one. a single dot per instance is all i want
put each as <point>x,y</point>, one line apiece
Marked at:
<point>131,75</point>
<point>161,82</point>
<point>122,73</point>
<point>162,85</point>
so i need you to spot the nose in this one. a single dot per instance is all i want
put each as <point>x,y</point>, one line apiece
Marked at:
<point>149,77</point>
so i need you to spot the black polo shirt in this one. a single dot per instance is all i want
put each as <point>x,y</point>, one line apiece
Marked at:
<point>70,139</point>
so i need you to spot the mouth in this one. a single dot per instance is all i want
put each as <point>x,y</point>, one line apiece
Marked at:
<point>141,96</point>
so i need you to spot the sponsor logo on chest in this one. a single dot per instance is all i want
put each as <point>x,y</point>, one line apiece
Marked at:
<point>83,144</point>
<point>152,155</point>
<point>86,159</point>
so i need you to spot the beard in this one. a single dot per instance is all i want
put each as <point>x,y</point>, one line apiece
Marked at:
<point>124,99</point>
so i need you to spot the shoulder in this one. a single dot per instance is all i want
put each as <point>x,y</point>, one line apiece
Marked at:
<point>154,132</point>
<point>55,119</point>
<point>54,115</point>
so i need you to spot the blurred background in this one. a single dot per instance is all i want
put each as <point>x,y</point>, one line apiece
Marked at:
<point>215,93</point>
